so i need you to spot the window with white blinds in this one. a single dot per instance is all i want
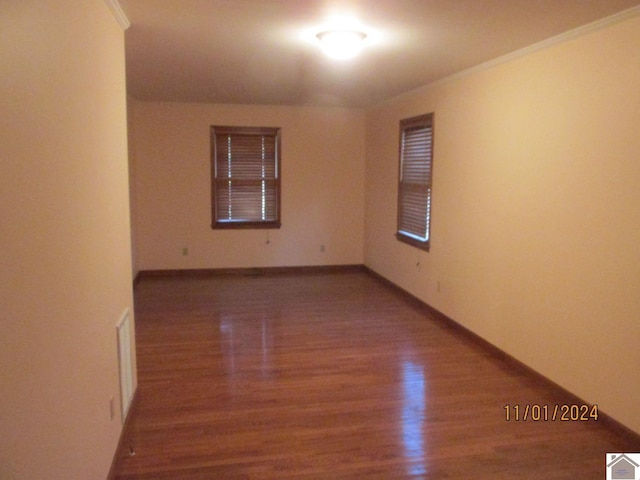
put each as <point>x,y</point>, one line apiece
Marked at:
<point>414,186</point>
<point>245,171</point>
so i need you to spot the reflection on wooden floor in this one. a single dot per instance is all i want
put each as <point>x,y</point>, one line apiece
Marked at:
<point>330,376</point>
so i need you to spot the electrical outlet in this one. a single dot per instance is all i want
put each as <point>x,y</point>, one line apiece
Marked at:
<point>112,408</point>
<point>322,248</point>
<point>185,251</point>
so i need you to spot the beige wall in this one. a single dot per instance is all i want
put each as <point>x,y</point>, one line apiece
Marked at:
<point>65,255</point>
<point>133,210</point>
<point>536,210</point>
<point>322,188</point>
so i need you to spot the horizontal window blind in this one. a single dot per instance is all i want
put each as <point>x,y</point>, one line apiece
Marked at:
<point>246,177</point>
<point>414,188</point>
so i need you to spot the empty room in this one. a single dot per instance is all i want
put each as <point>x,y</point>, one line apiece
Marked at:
<point>279,239</point>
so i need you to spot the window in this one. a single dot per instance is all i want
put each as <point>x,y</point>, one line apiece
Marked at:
<point>414,184</point>
<point>245,177</point>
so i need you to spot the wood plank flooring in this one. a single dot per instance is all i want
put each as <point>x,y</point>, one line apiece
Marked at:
<point>330,376</point>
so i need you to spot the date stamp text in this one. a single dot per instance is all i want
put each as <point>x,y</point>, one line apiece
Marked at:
<point>536,412</point>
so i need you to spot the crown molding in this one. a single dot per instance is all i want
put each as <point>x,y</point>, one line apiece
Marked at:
<point>550,42</point>
<point>118,13</point>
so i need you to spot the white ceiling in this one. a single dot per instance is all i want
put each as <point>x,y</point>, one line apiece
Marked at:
<point>263,51</point>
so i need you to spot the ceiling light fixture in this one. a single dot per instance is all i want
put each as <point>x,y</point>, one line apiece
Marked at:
<point>341,44</point>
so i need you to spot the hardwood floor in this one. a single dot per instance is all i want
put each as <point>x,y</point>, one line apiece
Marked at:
<point>331,376</point>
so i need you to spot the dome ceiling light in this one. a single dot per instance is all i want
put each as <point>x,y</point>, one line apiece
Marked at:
<point>341,44</point>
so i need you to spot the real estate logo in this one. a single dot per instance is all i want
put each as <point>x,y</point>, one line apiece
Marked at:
<point>623,466</point>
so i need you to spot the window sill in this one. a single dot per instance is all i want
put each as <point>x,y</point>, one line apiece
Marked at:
<point>413,242</point>
<point>245,225</point>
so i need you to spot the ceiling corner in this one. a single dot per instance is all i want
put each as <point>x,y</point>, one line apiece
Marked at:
<point>118,13</point>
